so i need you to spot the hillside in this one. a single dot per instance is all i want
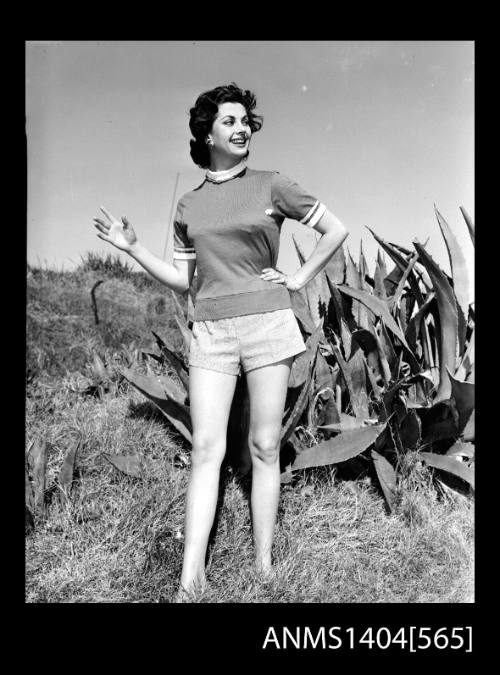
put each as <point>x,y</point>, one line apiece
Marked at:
<point>62,332</point>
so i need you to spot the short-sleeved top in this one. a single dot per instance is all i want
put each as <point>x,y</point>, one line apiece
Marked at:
<point>232,229</point>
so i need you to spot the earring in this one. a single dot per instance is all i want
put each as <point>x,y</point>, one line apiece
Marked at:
<point>210,142</point>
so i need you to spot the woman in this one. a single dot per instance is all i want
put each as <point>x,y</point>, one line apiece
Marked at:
<point>229,228</point>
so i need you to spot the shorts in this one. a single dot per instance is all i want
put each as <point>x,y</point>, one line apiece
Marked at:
<point>249,341</point>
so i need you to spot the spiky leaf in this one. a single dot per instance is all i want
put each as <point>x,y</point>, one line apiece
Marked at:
<point>339,449</point>
<point>316,299</point>
<point>132,465</point>
<point>372,379</point>
<point>467,363</point>
<point>65,477</point>
<point>335,268</point>
<point>175,360</point>
<point>346,374</point>
<point>346,337</point>
<point>172,390</point>
<point>402,282</point>
<point>458,266</point>
<point>470,428</point>
<point>449,464</point>
<point>363,268</point>
<point>301,310</point>
<point>402,264</point>
<point>346,423</point>
<point>322,373</point>
<point>337,303</point>
<point>300,366</point>
<point>439,422</point>
<point>413,327</point>
<point>410,431</point>
<point>400,248</point>
<point>177,414</point>
<point>430,351</point>
<point>379,276</point>
<point>329,414</point>
<point>300,404</point>
<point>381,263</point>
<point>29,494</point>
<point>448,322</point>
<point>39,454</point>
<point>353,280</point>
<point>316,291</point>
<point>357,369</point>
<point>379,308</point>
<point>386,477</point>
<point>367,340</point>
<point>469,223</point>
<point>386,353</point>
<point>461,449</point>
<point>402,312</point>
<point>464,395</point>
<point>391,281</point>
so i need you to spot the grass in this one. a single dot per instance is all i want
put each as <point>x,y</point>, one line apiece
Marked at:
<point>119,539</point>
<point>61,327</point>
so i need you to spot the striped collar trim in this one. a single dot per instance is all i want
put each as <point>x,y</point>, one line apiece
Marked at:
<point>227,174</point>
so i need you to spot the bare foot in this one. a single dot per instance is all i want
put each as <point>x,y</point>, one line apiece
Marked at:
<point>264,569</point>
<point>183,595</point>
<point>190,593</point>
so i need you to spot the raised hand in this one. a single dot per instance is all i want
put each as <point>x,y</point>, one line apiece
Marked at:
<point>120,234</point>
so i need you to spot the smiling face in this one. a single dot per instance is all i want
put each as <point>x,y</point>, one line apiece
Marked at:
<point>231,135</point>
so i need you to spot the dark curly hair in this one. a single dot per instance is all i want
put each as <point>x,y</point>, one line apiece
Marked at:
<point>204,112</point>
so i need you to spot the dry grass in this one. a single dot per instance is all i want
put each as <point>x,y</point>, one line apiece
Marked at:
<point>61,327</point>
<point>120,539</point>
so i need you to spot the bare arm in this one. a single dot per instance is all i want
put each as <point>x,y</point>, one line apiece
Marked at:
<point>178,276</point>
<point>333,235</point>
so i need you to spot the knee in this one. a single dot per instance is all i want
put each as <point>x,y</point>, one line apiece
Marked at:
<point>264,449</point>
<point>207,450</point>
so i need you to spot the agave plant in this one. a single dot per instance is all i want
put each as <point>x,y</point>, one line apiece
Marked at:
<point>38,493</point>
<point>389,367</point>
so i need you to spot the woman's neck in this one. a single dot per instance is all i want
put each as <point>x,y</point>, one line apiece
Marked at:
<point>220,175</point>
<point>223,163</point>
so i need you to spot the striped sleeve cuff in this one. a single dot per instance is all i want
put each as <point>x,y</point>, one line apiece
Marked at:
<point>184,253</point>
<point>313,215</point>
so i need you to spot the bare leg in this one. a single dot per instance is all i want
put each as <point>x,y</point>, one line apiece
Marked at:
<point>210,396</point>
<point>267,387</point>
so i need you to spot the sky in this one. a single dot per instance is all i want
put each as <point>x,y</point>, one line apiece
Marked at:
<point>379,131</point>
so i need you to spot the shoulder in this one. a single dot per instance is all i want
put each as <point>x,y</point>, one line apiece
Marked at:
<point>272,178</point>
<point>189,197</point>
<point>280,181</point>
<point>259,173</point>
